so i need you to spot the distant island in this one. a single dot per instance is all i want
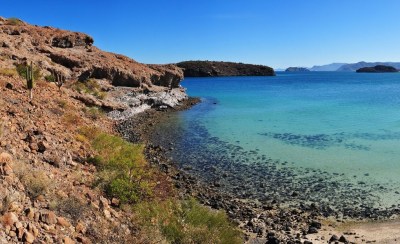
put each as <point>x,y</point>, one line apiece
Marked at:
<point>297,69</point>
<point>352,67</point>
<point>215,68</point>
<point>377,69</point>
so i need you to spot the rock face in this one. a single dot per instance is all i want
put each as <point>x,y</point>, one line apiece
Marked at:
<point>377,69</point>
<point>213,68</point>
<point>73,55</point>
<point>297,69</point>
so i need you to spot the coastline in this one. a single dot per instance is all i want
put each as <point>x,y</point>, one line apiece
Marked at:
<point>260,221</point>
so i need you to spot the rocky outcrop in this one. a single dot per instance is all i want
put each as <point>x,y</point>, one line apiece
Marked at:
<point>377,69</point>
<point>297,69</point>
<point>73,55</point>
<point>213,68</point>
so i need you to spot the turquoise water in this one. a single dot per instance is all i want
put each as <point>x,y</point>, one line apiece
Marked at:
<point>344,124</point>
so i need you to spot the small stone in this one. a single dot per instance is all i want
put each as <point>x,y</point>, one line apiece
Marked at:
<point>28,237</point>
<point>334,238</point>
<point>9,219</point>
<point>18,224</point>
<point>316,224</point>
<point>68,240</point>
<point>49,218</point>
<point>8,85</point>
<point>107,213</point>
<point>343,239</point>
<point>63,222</point>
<point>312,230</point>
<point>80,228</point>
<point>115,202</point>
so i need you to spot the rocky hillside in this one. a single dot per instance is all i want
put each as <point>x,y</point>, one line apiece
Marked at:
<point>213,68</point>
<point>66,176</point>
<point>73,55</point>
<point>377,69</point>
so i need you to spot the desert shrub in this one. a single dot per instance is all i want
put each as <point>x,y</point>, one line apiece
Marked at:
<point>50,78</point>
<point>36,182</point>
<point>13,21</point>
<point>61,103</point>
<point>21,70</point>
<point>74,207</point>
<point>94,113</point>
<point>71,118</point>
<point>8,72</point>
<point>124,171</point>
<point>186,222</point>
<point>90,87</point>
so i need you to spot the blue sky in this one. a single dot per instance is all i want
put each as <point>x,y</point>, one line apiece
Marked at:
<point>277,33</point>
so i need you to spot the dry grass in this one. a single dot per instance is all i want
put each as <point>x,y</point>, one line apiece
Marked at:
<point>36,182</point>
<point>11,73</point>
<point>71,118</point>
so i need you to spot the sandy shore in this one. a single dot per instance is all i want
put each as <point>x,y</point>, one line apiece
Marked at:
<point>359,232</point>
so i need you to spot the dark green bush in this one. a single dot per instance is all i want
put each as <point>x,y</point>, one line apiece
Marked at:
<point>50,78</point>
<point>90,87</point>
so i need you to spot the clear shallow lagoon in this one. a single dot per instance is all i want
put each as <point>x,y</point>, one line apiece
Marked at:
<point>343,124</point>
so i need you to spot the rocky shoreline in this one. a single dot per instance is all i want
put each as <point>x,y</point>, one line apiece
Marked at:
<point>269,220</point>
<point>261,222</point>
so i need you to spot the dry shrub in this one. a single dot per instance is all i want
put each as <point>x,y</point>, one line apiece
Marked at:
<point>72,118</point>
<point>72,207</point>
<point>9,72</point>
<point>35,181</point>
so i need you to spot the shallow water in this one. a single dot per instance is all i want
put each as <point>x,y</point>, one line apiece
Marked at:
<point>343,127</point>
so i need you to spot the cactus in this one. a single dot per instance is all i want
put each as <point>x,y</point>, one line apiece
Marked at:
<point>29,80</point>
<point>59,80</point>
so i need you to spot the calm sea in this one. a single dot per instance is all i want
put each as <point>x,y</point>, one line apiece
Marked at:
<point>343,125</point>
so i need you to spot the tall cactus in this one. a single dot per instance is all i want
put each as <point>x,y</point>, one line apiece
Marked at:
<point>29,79</point>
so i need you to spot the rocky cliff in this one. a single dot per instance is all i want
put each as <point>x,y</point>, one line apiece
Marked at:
<point>213,68</point>
<point>73,55</point>
<point>377,69</point>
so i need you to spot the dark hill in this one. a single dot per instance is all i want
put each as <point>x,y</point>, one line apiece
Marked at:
<point>213,68</point>
<point>297,69</point>
<point>377,69</point>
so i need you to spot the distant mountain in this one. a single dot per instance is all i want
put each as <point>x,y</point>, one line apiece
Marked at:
<point>377,69</point>
<point>297,69</point>
<point>327,67</point>
<point>359,65</point>
<point>214,68</point>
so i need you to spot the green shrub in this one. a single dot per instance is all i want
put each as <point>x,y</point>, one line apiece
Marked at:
<point>21,69</point>
<point>90,87</point>
<point>94,113</point>
<point>187,222</point>
<point>50,78</point>
<point>124,171</point>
